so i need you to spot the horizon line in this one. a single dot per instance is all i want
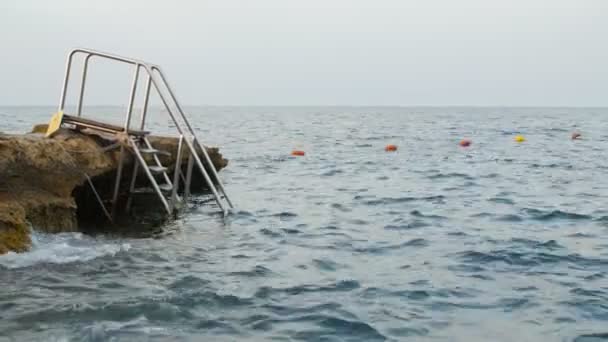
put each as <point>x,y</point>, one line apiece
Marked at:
<point>333,105</point>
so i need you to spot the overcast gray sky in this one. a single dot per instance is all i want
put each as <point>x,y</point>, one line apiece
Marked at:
<point>320,52</point>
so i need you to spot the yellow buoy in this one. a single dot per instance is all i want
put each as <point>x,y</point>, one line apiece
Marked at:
<point>519,138</point>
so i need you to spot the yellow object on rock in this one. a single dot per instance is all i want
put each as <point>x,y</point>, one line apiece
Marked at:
<point>54,124</point>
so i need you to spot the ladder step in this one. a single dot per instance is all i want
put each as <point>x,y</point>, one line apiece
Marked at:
<point>142,191</point>
<point>162,187</point>
<point>153,151</point>
<point>157,169</point>
<point>166,187</point>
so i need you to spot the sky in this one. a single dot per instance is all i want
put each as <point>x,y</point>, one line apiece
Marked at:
<point>316,52</point>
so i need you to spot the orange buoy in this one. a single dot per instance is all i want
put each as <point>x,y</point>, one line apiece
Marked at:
<point>576,135</point>
<point>298,153</point>
<point>390,148</point>
<point>465,143</point>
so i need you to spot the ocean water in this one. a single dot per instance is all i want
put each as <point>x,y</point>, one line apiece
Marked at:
<point>496,242</point>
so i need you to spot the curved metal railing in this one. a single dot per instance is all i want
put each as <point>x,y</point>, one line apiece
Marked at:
<point>157,79</point>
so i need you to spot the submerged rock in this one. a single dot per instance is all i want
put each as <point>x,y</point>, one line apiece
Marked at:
<point>43,180</point>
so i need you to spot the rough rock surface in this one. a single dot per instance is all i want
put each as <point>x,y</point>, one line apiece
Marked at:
<point>43,182</point>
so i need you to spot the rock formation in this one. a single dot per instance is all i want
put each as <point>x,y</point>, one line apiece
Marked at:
<point>43,183</point>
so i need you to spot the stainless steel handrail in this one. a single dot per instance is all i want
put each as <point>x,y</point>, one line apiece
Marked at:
<point>151,70</point>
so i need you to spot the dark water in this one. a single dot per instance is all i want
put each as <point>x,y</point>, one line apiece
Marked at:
<point>497,242</point>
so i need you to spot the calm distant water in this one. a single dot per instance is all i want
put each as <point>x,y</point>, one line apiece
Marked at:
<point>497,242</point>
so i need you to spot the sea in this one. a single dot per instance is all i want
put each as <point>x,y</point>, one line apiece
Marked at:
<point>498,241</point>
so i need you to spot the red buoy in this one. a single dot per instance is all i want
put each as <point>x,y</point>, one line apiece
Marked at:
<point>465,142</point>
<point>298,153</point>
<point>390,148</point>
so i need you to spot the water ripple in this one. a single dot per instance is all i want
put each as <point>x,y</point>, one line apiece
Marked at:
<point>500,241</point>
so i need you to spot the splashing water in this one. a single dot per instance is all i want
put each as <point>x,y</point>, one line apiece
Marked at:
<point>62,249</point>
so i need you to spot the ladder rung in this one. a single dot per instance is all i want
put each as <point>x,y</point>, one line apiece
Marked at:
<point>142,191</point>
<point>157,169</point>
<point>162,187</point>
<point>153,151</point>
<point>165,187</point>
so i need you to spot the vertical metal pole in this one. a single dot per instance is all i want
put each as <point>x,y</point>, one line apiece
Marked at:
<point>132,97</point>
<point>144,109</point>
<point>66,79</point>
<point>118,177</point>
<point>176,172</point>
<point>82,83</point>
<point>188,177</point>
<point>132,186</point>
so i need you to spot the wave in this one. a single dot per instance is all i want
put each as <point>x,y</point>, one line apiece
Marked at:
<point>418,242</point>
<point>550,244</point>
<point>392,200</point>
<point>344,285</point>
<point>285,215</point>
<point>257,271</point>
<point>542,215</point>
<point>62,248</point>
<point>411,225</point>
<point>599,337</point>
<point>327,265</point>
<point>451,175</point>
<point>530,259</point>
<point>332,173</point>
<point>417,213</point>
<point>501,200</point>
<point>502,218</point>
<point>324,324</point>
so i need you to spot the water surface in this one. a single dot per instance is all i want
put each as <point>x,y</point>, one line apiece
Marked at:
<point>497,242</point>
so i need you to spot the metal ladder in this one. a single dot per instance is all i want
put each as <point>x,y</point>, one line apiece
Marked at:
<point>167,189</point>
<point>166,186</point>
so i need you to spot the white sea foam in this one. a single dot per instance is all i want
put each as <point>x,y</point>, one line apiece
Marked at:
<point>61,249</point>
<point>102,330</point>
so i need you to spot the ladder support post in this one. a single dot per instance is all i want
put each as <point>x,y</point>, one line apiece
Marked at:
<point>176,172</point>
<point>132,186</point>
<point>132,97</point>
<point>188,176</point>
<point>144,110</point>
<point>214,172</point>
<point>83,81</point>
<point>118,178</point>
<point>66,80</point>
<point>205,175</point>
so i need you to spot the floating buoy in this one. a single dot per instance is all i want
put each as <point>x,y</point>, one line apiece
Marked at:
<point>298,153</point>
<point>576,135</point>
<point>519,138</point>
<point>390,148</point>
<point>465,143</point>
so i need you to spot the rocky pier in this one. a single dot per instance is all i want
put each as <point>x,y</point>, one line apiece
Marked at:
<point>43,181</point>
